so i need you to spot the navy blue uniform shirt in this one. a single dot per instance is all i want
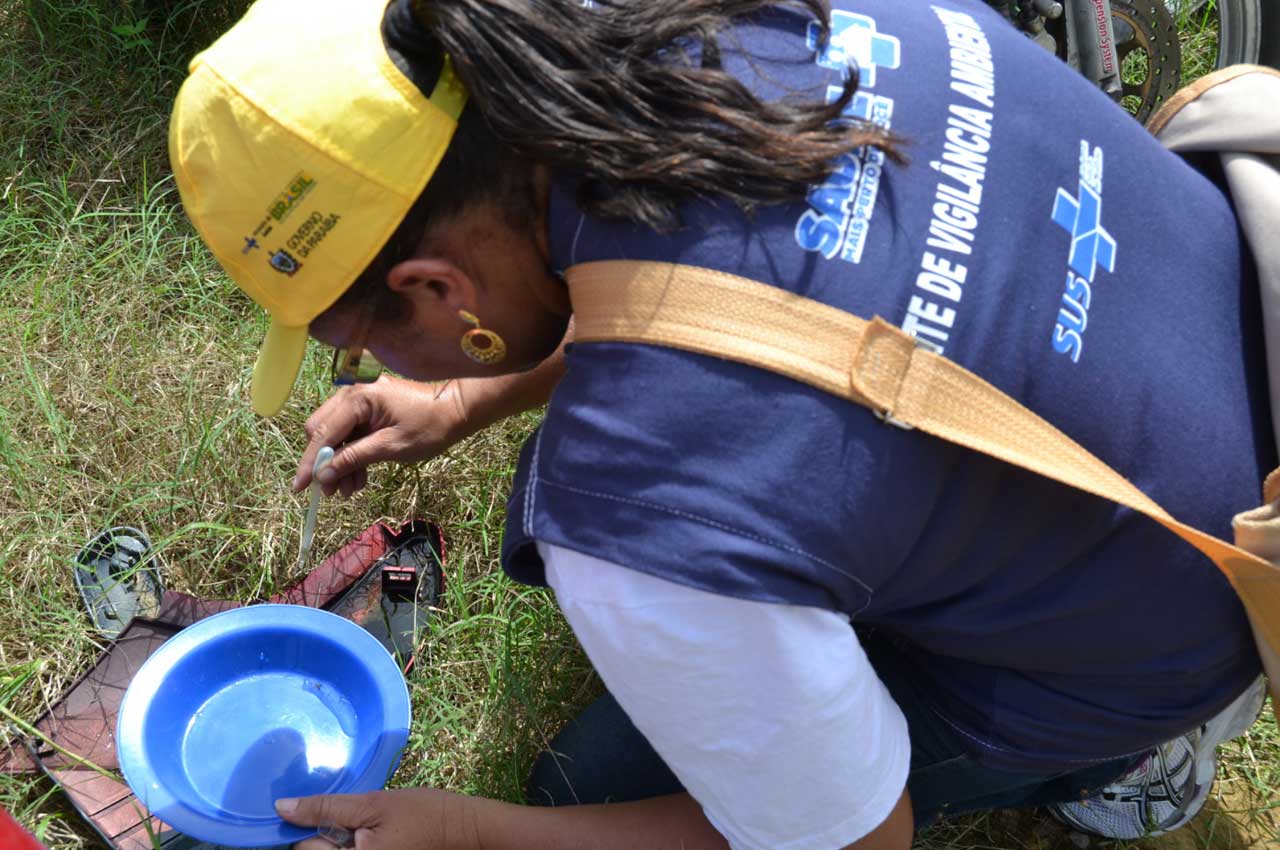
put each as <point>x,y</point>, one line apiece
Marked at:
<point>1039,237</point>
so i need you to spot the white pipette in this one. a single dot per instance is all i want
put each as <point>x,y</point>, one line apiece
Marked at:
<point>309,527</point>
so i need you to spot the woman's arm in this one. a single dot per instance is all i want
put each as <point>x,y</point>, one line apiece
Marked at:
<point>675,822</point>
<point>770,714</point>
<point>426,819</point>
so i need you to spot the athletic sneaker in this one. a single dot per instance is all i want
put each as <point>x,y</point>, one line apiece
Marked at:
<point>1168,787</point>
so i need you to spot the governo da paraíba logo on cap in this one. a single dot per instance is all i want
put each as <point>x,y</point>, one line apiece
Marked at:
<point>284,262</point>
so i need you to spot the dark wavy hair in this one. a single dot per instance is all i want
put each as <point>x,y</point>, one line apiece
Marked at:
<point>628,96</point>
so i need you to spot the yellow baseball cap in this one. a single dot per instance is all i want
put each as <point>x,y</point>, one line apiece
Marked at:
<point>298,147</point>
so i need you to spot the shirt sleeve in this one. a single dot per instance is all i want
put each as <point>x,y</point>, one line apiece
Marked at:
<point>770,715</point>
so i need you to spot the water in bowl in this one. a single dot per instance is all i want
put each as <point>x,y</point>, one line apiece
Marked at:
<point>271,735</point>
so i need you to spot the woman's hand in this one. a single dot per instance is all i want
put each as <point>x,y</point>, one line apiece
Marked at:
<point>427,819</point>
<point>390,419</point>
<point>404,819</point>
<point>395,419</point>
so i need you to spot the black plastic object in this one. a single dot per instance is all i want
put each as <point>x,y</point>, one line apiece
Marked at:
<point>394,599</point>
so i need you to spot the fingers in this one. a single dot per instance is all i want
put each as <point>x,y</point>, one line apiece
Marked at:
<point>350,811</point>
<point>341,838</point>
<point>355,456</point>
<point>353,483</point>
<point>349,485</point>
<point>332,422</point>
<point>319,843</point>
<point>314,844</point>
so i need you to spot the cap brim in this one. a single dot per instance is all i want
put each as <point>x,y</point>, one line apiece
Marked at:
<point>277,368</point>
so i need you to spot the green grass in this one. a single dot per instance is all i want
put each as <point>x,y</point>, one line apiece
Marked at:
<point>1199,36</point>
<point>124,401</point>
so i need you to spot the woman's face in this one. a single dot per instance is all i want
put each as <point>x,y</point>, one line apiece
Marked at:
<point>478,263</point>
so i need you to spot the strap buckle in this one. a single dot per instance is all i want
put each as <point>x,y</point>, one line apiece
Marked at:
<point>880,367</point>
<point>888,418</point>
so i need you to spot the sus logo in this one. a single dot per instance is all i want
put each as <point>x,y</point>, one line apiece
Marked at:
<point>855,42</point>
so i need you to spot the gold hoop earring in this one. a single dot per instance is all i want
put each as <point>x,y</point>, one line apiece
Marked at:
<point>480,344</point>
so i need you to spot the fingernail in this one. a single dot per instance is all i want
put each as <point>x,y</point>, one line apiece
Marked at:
<point>286,805</point>
<point>326,476</point>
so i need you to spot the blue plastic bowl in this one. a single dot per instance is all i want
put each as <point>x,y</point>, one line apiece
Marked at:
<point>256,704</point>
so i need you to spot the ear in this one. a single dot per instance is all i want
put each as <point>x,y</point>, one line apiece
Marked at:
<point>432,284</point>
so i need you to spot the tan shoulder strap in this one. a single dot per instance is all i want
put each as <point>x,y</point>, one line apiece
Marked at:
<point>1248,101</point>
<point>878,366</point>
